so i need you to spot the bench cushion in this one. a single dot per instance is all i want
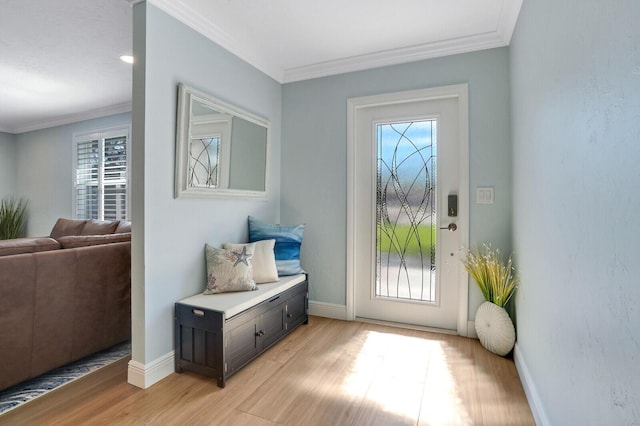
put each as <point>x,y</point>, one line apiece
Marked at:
<point>233,303</point>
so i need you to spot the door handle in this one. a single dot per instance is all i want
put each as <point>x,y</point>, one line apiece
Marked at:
<point>451,227</point>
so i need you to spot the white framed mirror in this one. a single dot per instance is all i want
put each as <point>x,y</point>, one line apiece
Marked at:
<point>221,150</point>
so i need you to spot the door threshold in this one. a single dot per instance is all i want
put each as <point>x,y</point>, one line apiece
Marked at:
<point>407,326</point>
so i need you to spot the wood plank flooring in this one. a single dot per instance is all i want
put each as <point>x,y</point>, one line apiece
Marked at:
<point>328,372</point>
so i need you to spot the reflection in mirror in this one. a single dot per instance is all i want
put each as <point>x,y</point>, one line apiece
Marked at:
<point>209,129</point>
<point>220,149</point>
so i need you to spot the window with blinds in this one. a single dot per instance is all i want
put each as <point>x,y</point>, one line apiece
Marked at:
<point>101,178</point>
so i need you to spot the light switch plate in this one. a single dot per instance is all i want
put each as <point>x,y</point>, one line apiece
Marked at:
<point>485,194</point>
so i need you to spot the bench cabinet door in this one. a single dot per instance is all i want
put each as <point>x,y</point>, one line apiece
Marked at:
<point>241,345</point>
<point>296,310</point>
<point>270,325</point>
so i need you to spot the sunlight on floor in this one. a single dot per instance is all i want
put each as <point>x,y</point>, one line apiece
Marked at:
<point>406,377</point>
<point>441,401</point>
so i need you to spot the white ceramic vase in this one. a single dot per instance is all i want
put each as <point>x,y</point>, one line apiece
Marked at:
<point>495,328</point>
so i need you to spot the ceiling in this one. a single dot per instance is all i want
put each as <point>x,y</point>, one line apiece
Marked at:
<point>59,60</point>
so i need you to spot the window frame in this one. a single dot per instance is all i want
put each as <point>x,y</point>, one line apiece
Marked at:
<point>101,135</point>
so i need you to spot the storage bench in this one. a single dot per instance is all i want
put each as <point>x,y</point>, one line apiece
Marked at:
<point>218,334</point>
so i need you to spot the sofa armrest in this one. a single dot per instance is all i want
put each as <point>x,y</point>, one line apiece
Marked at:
<point>27,245</point>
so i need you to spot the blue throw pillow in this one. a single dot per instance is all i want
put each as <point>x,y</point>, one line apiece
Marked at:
<point>288,241</point>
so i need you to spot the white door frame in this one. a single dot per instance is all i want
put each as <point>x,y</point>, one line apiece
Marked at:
<point>459,91</point>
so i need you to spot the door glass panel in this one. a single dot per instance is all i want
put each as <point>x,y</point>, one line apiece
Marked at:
<point>406,211</point>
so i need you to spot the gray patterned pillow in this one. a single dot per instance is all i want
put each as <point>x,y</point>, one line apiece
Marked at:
<point>229,270</point>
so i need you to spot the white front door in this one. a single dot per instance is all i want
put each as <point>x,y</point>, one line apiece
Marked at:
<point>408,207</point>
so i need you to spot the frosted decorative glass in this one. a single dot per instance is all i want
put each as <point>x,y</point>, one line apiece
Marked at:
<point>406,211</point>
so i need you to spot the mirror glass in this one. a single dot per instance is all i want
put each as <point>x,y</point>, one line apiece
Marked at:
<point>221,150</point>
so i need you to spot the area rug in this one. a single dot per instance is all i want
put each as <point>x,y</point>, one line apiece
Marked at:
<point>30,389</point>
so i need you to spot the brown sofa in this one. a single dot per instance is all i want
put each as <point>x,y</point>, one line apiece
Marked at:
<point>63,297</point>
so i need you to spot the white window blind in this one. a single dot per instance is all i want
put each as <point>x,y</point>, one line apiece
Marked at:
<point>101,178</point>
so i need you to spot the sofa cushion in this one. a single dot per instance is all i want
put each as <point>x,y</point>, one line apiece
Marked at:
<point>123,226</point>
<point>73,241</point>
<point>67,227</point>
<point>99,227</point>
<point>27,245</point>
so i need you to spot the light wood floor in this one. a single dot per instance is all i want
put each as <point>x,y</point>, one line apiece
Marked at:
<point>329,372</point>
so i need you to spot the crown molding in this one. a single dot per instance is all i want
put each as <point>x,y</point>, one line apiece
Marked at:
<point>508,18</point>
<point>71,118</point>
<point>181,10</point>
<point>395,57</point>
<point>500,37</point>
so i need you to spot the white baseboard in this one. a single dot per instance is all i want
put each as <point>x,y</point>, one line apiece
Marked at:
<point>146,375</point>
<point>471,330</point>
<point>327,310</point>
<point>530,390</point>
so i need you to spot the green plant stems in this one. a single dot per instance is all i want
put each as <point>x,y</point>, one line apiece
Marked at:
<point>13,218</point>
<point>497,281</point>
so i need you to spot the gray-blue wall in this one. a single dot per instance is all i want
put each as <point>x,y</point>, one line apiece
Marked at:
<point>575,100</point>
<point>44,170</point>
<point>169,234</point>
<point>314,156</point>
<point>7,165</point>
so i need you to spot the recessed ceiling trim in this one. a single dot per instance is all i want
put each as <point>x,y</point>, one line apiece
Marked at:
<point>185,14</point>
<point>395,57</point>
<point>71,118</point>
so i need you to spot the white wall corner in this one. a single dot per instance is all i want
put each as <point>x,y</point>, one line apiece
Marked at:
<point>327,310</point>
<point>533,396</point>
<point>146,375</point>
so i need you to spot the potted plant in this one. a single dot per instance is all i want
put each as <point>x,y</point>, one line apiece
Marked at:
<point>497,282</point>
<point>13,218</point>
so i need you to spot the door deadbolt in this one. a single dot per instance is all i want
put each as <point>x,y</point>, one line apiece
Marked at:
<point>452,206</point>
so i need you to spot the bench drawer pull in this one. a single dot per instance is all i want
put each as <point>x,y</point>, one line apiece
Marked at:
<point>198,312</point>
